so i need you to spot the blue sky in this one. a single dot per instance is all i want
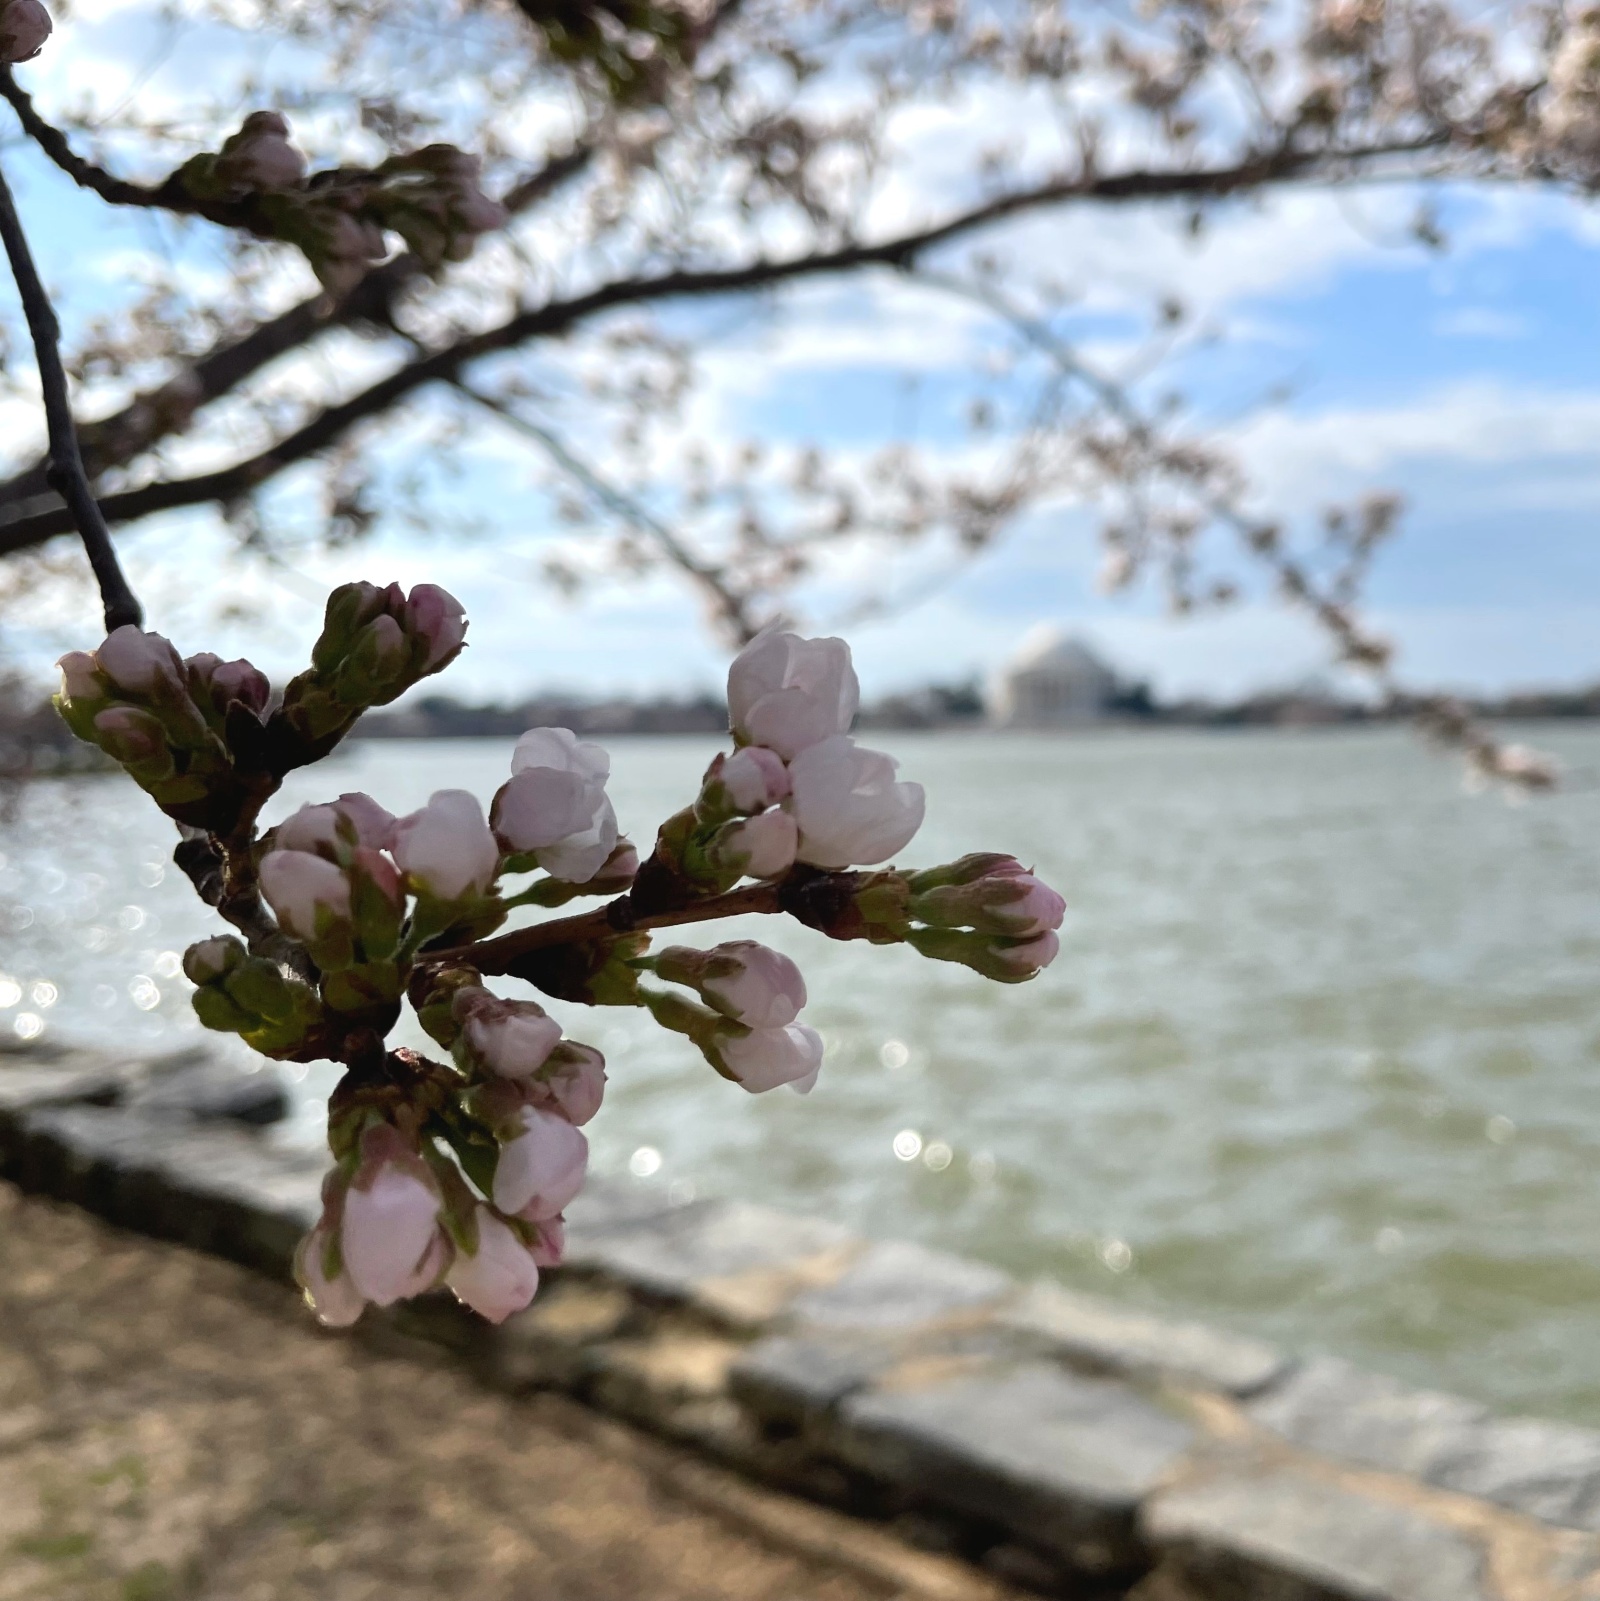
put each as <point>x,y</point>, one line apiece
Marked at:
<point>1467,379</point>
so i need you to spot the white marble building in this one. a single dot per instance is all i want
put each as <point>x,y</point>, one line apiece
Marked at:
<point>1054,681</point>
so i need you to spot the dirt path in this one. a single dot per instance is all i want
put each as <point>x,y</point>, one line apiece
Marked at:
<point>173,1429</point>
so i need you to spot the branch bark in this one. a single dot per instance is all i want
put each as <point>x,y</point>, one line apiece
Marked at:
<point>66,472</point>
<point>28,522</point>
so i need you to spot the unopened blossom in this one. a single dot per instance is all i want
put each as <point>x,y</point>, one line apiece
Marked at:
<point>742,979</point>
<point>848,805</point>
<point>1029,956</point>
<point>549,1243</point>
<point>542,1168</point>
<point>789,693</point>
<point>390,1237</point>
<point>260,156</point>
<point>140,663</point>
<point>302,889</point>
<point>132,737</point>
<point>555,805</point>
<point>335,1300</point>
<point>761,1059</point>
<point>763,846</point>
<point>446,849</point>
<point>80,679</point>
<point>438,620</point>
<point>331,826</point>
<point>1004,899</point>
<point>24,27</point>
<point>572,1081</point>
<point>500,1276</point>
<point>750,780</point>
<point>512,1039</point>
<point>225,683</point>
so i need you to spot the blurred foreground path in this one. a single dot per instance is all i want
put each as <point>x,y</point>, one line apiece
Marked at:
<point>173,1428</point>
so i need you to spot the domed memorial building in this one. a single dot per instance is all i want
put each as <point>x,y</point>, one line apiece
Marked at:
<point>1054,681</point>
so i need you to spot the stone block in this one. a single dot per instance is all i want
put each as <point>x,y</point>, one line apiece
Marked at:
<point>213,1187</point>
<point>893,1286</point>
<point>1098,1334</point>
<point>212,1090</point>
<point>795,1381</point>
<point>1060,1460</point>
<point>50,1073</point>
<point>1280,1535</point>
<point>1551,1471</point>
<point>553,1344</point>
<point>736,1262</point>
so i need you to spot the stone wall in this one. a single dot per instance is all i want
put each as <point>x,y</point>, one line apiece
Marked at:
<point>1061,1442</point>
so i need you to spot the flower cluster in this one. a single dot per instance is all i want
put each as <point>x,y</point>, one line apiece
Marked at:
<point>456,1172</point>
<point>341,220</point>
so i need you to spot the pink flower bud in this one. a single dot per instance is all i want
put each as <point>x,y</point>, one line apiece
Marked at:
<point>336,1301</point>
<point>1007,899</point>
<point>540,1170</point>
<point>541,806</point>
<point>140,663</point>
<point>446,849</point>
<point>79,679</point>
<point>759,847</point>
<point>392,1243</point>
<point>1028,958</point>
<point>551,1242</point>
<point>849,809</point>
<point>764,1058</point>
<point>436,617</point>
<point>573,1081</point>
<point>500,1277</point>
<point>260,156</point>
<point>512,1039</point>
<point>741,979</point>
<point>299,886</point>
<point>209,959</point>
<point>131,736</point>
<point>789,693</point>
<point>24,27</point>
<point>223,683</point>
<point>555,804</point>
<point>318,828</point>
<point>754,779</point>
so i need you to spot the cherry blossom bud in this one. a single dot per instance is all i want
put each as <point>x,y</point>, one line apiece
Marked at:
<point>436,618</point>
<point>540,1170</point>
<point>391,1239</point>
<point>1028,957</point>
<point>512,1039</point>
<point>219,684</point>
<point>618,871</point>
<point>333,1297</point>
<point>211,959</point>
<point>500,1276</point>
<point>304,891</point>
<point>134,738</point>
<point>79,679</point>
<point>549,1244</point>
<point>742,979</point>
<point>763,846</point>
<point>1006,899</point>
<point>573,1081</point>
<point>750,780</point>
<point>790,693</point>
<point>354,819</point>
<point>259,155</point>
<point>139,663</point>
<point>1007,961</point>
<point>761,1059</point>
<point>848,806</point>
<point>24,27</point>
<point>446,849</point>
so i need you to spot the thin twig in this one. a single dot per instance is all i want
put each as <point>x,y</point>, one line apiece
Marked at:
<point>67,475</point>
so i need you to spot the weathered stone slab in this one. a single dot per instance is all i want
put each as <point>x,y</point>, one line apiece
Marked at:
<point>216,1188</point>
<point>1059,1459</point>
<point>793,1380</point>
<point>211,1090</point>
<point>1095,1333</point>
<point>46,1073</point>
<point>893,1285</point>
<point>1291,1537</point>
<point>1550,1471</point>
<point>735,1261</point>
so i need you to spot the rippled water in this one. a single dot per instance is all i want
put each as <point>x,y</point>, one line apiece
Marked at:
<point>1318,1060</point>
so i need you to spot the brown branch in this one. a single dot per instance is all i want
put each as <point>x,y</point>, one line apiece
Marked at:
<point>66,472</point>
<point>496,955</point>
<point>30,522</point>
